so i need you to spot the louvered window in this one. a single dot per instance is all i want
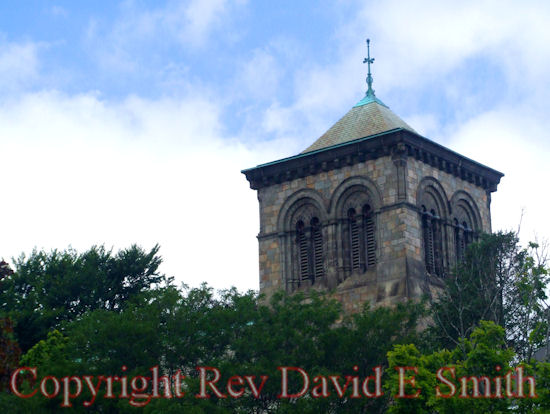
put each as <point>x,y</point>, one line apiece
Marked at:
<point>309,243</point>
<point>303,250</point>
<point>428,242</point>
<point>370,241</point>
<point>354,242</point>
<point>359,241</point>
<point>459,243</point>
<point>433,241</point>
<point>464,235</point>
<point>437,244</point>
<point>317,248</point>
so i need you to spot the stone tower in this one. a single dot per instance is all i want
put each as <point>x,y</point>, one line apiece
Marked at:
<point>371,210</point>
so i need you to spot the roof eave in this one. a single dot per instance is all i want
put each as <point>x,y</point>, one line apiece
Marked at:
<point>372,147</point>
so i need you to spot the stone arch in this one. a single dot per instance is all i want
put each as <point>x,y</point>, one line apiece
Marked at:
<point>297,201</point>
<point>465,221</point>
<point>464,206</point>
<point>302,233</point>
<point>354,210</point>
<point>351,185</point>
<point>433,207</point>
<point>430,191</point>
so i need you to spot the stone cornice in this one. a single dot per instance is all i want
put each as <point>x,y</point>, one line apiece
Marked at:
<point>398,142</point>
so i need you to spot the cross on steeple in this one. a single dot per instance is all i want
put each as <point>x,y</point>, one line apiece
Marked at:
<point>369,60</point>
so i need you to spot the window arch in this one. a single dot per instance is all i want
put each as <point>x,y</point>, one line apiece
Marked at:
<point>308,252</point>
<point>303,251</point>
<point>358,231</point>
<point>432,204</point>
<point>465,223</point>
<point>302,230</point>
<point>307,248</point>
<point>316,249</point>
<point>432,235</point>
<point>464,235</point>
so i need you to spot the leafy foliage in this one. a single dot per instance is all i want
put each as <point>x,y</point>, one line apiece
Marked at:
<point>239,334</point>
<point>98,313</point>
<point>485,354</point>
<point>497,281</point>
<point>49,288</point>
<point>9,352</point>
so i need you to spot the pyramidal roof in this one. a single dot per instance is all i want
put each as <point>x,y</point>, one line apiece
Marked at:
<point>369,117</point>
<point>369,130</point>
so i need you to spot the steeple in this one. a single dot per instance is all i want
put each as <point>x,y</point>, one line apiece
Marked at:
<point>369,96</point>
<point>369,60</point>
<point>370,116</point>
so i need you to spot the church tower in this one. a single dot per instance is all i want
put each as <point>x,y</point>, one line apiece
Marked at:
<point>372,210</point>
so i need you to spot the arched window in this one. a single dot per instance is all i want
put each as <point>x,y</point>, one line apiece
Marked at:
<point>465,222</point>
<point>464,235</point>
<point>302,238</point>
<point>354,241</point>
<point>308,252</point>
<point>303,250</point>
<point>317,248</point>
<point>433,241</point>
<point>355,203</point>
<point>359,242</point>
<point>433,209</point>
<point>370,241</point>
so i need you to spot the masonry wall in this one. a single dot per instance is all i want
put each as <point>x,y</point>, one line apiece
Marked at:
<point>417,170</point>
<point>400,270</point>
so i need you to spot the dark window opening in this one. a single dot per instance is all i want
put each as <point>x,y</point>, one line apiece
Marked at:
<point>433,241</point>
<point>309,246</point>
<point>464,235</point>
<point>359,240</point>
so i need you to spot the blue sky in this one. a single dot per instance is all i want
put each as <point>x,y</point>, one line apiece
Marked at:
<point>129,122</point>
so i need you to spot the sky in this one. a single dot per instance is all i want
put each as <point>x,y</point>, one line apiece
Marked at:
<point>129,122</point>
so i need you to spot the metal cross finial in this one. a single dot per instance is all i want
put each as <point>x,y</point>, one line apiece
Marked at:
<point>369,60</point>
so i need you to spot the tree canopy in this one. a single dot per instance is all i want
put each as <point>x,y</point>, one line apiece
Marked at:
<point>500,281</point>
<point>48,288</point>
<point>106,315</point>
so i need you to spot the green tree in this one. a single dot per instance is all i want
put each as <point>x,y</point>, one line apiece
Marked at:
<point>239,334</point>
<point>484,353</point>
<point>9,352</point>
<point>497,281</point>
<point>49,288</point>
<point>9,348</point>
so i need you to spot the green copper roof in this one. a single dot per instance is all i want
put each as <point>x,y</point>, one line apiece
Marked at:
<point>369,99</point>
<point>370,116</point>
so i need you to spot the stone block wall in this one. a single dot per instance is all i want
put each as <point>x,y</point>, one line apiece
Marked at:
<point>400,271</point>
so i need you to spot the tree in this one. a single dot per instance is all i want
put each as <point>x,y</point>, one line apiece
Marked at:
<point>484,353</point>
<point>9,352</point>
<point>497,281</point>
<point>239,334</point>
<point>49,288</point>
<point>9,348</point>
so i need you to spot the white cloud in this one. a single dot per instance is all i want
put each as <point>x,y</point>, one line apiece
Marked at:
<point>59,11</point>
<point>514,142</point>
<point>259,77</point>
<point>425,124</point>
<point>78,170</point>
<point>419,40</point>
<point>428,45</point>
<point>197,19</point>
<point>19,64</point>
<point>138,32</point>
<point>439,47</point>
